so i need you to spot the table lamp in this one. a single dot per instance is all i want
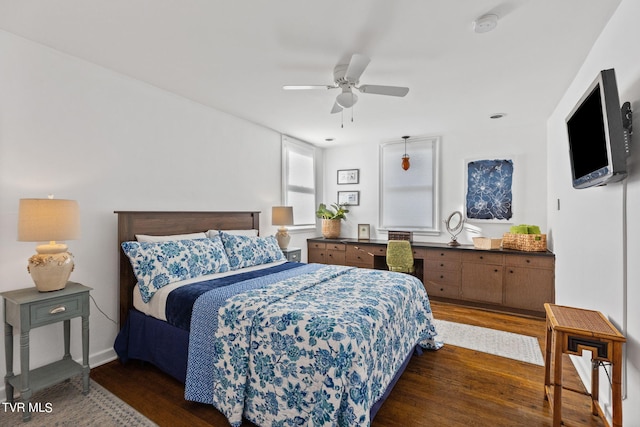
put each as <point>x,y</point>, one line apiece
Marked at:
<point>49,220</point>
<point>282,216</point>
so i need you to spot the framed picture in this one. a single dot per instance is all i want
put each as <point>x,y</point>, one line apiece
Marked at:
<point>349,176</point>
<point>351,198</point>
<point>489,190</point>
<point>364,231</point>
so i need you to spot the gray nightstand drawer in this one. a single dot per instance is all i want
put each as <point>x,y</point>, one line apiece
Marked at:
<point>55,310</point>
<point>292,254</point>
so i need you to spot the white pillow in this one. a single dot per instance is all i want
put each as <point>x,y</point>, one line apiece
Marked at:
<point>251,233</point>
<point>190,236</point>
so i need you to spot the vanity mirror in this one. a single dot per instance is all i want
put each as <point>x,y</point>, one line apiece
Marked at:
<point>454,224</point>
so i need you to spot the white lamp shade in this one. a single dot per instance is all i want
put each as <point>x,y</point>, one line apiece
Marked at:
<point>42,220</point>
<point>282,215</point>
<point>346,99</point>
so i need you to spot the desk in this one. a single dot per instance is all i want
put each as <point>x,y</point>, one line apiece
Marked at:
<point>498,279</point>
<point>571,331</point>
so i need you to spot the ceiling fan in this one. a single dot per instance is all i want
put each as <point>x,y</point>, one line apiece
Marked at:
<point>347,77</point>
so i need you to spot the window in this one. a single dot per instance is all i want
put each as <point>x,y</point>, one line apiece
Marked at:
<point>298,180</point>
<point>409,199</point>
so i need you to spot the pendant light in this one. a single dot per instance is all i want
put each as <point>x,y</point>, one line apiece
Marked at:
<point>405,157</point>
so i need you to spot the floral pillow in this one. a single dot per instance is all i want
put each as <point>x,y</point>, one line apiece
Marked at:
<point>157,264</point>
<point>247,251</point>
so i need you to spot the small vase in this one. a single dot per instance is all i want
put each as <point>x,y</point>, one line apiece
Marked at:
<point>331,228</point>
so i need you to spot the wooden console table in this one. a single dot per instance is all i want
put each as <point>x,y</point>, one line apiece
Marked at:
<point>572,330</point>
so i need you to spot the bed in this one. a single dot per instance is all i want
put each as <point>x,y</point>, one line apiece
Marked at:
<point>270,341</point>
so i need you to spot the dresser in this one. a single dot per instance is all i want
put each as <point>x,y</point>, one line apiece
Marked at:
<point>502,279</point>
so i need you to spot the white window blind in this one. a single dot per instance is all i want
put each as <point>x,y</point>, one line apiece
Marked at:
<point>298,180</point>
<point>409,199</point>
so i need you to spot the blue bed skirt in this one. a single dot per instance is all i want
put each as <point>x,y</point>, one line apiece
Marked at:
<point>148,339</point>
<point>151,340</point>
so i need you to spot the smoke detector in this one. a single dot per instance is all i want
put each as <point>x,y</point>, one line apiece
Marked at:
<point>485,23</point>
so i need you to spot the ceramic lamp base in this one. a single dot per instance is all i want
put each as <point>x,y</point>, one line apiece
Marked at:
<point>50,272</point>
<point>283,238</point>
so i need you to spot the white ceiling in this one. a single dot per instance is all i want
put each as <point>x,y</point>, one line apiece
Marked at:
<point>236,56</point>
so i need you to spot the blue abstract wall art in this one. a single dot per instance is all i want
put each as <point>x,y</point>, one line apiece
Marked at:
<point>489,190</point>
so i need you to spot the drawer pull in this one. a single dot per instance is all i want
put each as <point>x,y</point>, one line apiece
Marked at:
<point>58,310</point>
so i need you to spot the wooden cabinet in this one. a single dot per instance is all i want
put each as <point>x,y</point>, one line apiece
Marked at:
<point>499,279</point>
<point>336,253</point>
<point>359,256</point>
<point>529,281</point>
<point>316,252</point>
<point>482,277</point>
<point>441,272</point>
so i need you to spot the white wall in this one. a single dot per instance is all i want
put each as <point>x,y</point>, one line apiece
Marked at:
<point>587,232</point>
<point>524,144</point>
<point>82,132</point>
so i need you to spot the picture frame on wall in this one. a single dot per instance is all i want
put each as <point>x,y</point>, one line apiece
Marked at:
<point>350,198</point>
<point>348,176</point>
<point>364,231</point>
<point>489,190</point>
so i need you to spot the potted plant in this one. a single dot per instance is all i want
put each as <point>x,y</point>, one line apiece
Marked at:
<point>331,218</point>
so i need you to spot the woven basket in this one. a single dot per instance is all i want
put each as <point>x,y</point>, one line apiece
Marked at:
<point>331,228</point>
<point>525,242</point>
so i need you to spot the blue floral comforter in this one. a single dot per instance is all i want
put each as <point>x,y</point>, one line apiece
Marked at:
<point>316,349</point>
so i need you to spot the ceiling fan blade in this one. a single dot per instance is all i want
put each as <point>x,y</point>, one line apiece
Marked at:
<point>356,67</point>
<point>305,87</point>
<point>384,90</point>
<point>336,108</point>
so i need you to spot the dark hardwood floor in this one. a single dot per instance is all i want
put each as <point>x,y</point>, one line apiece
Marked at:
<point>449,387</point>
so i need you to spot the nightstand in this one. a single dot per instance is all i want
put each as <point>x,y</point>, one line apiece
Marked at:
<point>26,309</point>
<point>292,254</point>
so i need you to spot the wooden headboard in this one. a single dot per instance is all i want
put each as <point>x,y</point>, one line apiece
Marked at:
<point>166,223</point>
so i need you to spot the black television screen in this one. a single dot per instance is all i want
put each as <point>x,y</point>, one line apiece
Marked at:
<point>597,145</point>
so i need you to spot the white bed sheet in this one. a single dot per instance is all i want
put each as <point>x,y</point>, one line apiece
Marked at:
<point>156,305</point>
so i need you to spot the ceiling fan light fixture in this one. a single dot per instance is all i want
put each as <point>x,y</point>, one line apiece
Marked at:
<point>346,99</point>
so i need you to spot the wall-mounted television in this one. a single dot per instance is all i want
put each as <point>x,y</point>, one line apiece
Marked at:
<point>599,132</point>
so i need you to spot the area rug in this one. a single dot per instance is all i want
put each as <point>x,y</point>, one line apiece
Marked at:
<point>492,341</point>
<point>64,405</point>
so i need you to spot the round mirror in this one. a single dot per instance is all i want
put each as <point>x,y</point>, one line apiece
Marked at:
<point>454,225</point>
<point>454,222</point>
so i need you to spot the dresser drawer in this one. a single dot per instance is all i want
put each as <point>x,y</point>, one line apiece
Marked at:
<point>316,245</point>
<point>336,246</point>
<point>431,265</point>
<point>358,257</point>
<point>482,257</point>
<point>442,290</point>
<point>443,254</point>
<point>545,262</point>
<point>55,310</point>
<point>334,257</point>
<point>443,277</point>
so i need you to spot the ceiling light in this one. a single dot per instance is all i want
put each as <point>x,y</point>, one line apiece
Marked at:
<point>347,98</point>
<point>485,23</point>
